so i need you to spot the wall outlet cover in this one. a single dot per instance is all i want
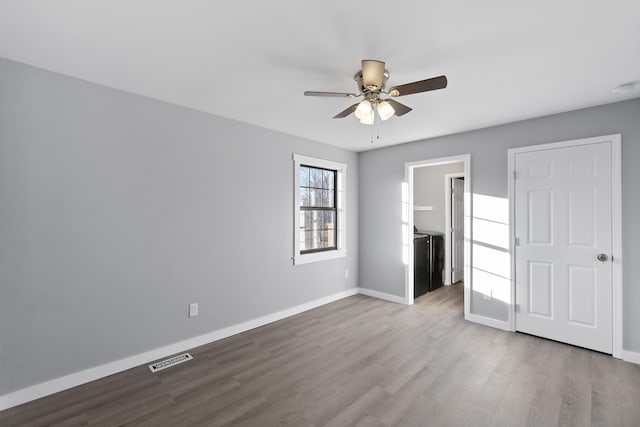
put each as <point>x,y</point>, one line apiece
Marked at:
<point>193,309</point>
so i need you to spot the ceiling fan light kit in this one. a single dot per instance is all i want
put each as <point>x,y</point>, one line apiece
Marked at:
<point>368,120</point>
<point>385,110</point>
<point>365,109</point>
<point>371,81</point>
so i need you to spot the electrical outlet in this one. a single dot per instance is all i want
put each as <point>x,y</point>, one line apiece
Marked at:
<point>193,309</point>
<point>346,273</point>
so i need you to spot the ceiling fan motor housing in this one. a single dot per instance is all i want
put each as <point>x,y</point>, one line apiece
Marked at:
<point>372,77</point>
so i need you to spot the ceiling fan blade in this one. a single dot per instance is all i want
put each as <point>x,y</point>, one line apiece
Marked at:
<point>372,74</point>
<point>335,94</point>
<point>346,112</point>
<point>434,83</point>
<point>400,109</point>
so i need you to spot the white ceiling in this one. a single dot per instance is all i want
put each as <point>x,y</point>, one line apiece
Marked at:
<point>252,60</point>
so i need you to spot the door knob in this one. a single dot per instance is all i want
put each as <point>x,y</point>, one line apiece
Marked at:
<point>603,257</point>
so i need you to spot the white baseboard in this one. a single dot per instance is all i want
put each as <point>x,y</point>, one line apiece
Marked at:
<point>630,356</point>
<point>62,383</point>
<point>382,295</point>
<point>487,321</point>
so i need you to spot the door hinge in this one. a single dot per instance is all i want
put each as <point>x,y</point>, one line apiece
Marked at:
<point>517,308</point>
<point>515,174</point>
<point>516,241</point>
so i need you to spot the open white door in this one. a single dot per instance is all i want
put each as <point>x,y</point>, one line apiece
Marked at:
<point>563,231</point>
<point>457,230</point>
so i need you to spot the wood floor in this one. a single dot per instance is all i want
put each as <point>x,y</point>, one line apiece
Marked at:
<point>362,362</point>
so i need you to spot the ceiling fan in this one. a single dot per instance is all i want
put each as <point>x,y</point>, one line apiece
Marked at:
<point>371,82</point>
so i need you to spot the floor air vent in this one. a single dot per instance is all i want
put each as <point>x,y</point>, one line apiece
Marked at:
<point>167,363</point>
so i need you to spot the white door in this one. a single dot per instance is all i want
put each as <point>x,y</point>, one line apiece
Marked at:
<point>457,230</point>
<point>562,224</point>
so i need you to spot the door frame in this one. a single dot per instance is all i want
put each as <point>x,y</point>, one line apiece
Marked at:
<point>408,223</point>
<point>616,226</point>
<point>448,189</point>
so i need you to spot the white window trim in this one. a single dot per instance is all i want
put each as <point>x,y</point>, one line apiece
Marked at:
<point>341,198</point>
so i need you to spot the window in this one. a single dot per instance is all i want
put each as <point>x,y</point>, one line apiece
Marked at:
<point>319,209</point>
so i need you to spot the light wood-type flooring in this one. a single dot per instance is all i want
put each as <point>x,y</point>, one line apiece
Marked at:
<point>362,361</point>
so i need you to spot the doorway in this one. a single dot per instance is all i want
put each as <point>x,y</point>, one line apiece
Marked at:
<point>426,214</point>
<point>565,209</point>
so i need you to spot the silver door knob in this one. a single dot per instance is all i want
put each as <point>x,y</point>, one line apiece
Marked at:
<point>603,257</point>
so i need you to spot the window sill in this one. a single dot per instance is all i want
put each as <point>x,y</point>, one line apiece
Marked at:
<point>319,256</point>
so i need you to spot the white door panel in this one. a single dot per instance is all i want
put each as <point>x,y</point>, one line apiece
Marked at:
<point>562,222</point>
<point>540,213</point>
<point>457,230</point>
<point>540,296</point>
<point>582,295</point>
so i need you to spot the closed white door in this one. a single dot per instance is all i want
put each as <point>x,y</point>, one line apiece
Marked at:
<point>457,230</point>
<point>563,244</point>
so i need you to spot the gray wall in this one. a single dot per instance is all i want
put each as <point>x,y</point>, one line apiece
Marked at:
<point>117,211</point>
<point>428,190</point>
<point>382,172</point>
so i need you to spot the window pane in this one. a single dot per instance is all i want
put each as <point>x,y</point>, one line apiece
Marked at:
<point>301,232</point>
<point>330,226</point>
<point>315,197</point>
<point>328,179</point>
<point>315,178</point>
<point>309,240</point>
<point>304,197</point>
<point>304,176</point>
<point>302,239</point>
<point>329,220</point>
<point>324,239</point>
<point>317,220</point>
<point>327,198</point>
<point>312,220</point>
